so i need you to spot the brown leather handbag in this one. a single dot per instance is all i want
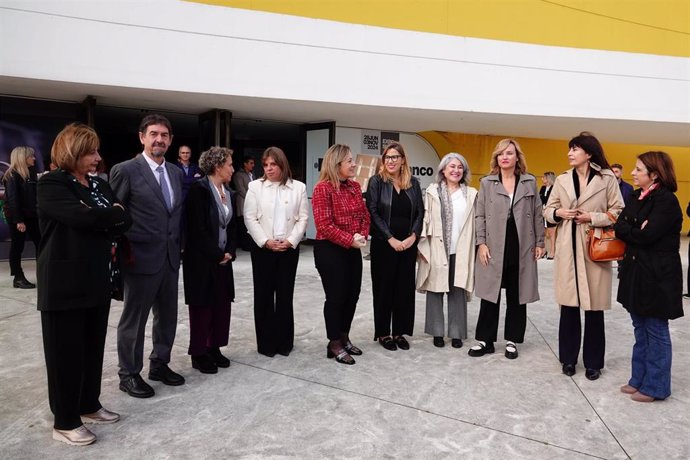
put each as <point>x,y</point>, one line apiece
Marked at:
<point>602,245</point>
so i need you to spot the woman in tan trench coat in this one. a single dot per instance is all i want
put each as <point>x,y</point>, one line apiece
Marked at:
<point>585,196</point>
<point>510,239</point>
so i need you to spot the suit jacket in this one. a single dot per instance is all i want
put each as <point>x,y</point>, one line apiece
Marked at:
<point>192,175</point>
<point>260,205</point>
<point>240,180</point>
<point>155,233</point>
<point>202,254</point>
<point>73,266</point>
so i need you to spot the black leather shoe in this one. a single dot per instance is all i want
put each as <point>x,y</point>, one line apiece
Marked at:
<point>218,358</point>
<point>592,374</point>
<point>205,364</point>
<point>135,386</point>
<point>388,343</point>
<point>511,351</point>
<point>402,342</point>
<point>285,352</point>
<point>352,350</point>
<point>569,369</point>
<point>164,374</point>
<point>456,343</point>
<point>438,342</point>
<point>22,283</point>
<point>481,349</point>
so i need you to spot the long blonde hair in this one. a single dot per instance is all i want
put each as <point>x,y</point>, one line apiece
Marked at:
<point>18,162</point>
<point>331,163</point>
<point>520,166</point>
<point>405,173</point>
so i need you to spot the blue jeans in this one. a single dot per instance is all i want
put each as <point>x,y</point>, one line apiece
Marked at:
<point>651,357</point>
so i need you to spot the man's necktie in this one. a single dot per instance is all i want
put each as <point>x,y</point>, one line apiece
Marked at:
<point>164,187</point>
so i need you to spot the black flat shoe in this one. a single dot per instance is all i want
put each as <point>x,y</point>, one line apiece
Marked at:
<point>23,283</point>
<point>205,364</point>
<point>438,342</point>
<point>511,351</point>
<point>402,342</point>
<point>218,358</point>
<point>285,352</point>
<point>388,343</point>
<point>569,369</point>
<point>164,374</point>
<point>136,387</point>
<point>351,349</point>
<point>456,343</point>
<point>592,374</point>
<point>342,357</point>
<point>481,349</point>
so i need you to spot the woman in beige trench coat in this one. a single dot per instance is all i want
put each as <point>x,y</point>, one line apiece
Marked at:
<point>585,196</point>
<point>446,249</point>
<point>510,239</point>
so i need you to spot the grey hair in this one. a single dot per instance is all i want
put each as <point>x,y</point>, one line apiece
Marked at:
<point>213,158</point>
<point>466,174</point>
<point>550,177</point>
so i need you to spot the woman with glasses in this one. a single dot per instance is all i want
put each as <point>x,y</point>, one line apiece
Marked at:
<point>394,199</point>
<point>446,249</point>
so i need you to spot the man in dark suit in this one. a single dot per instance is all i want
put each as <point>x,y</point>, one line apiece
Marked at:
<point>626,189</point>
<point>241,180</point>
<point>151,189</point>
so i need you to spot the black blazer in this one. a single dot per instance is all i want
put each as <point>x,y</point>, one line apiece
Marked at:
<point>73,267</point>
<point>651,277</point>
<point>20,198</point>
<point>379,196</point>
<point>202,254</point>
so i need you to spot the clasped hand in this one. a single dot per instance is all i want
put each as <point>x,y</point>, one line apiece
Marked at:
<point>578,215</point>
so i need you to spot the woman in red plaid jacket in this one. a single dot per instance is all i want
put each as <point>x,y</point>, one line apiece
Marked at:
<point>342,226</point>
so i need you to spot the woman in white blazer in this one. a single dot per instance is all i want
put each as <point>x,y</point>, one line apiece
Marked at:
<point>275,213</point>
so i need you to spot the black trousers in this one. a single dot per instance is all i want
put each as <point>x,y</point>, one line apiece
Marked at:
<point>393,285</point>
<point>73,342</point>
<point>570,332</point>
<point>17,244</point>
<point>516,313</point>
<point>341,275</point>
<point>244,240</point>
<point>274,286</point>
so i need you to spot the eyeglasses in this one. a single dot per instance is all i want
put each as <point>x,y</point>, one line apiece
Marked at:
<point>391,158</point>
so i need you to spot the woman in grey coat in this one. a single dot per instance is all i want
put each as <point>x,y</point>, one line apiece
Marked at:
<point>510,239</point>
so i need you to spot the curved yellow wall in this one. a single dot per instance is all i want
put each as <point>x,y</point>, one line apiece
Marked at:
<point>639,26</point>
<point>550,155</point>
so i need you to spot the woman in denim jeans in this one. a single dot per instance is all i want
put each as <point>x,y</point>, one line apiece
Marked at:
<point>651,277</point>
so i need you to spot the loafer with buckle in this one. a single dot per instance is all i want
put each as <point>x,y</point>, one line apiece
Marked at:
<point>481,349</point>
<point>80,436</point>
<point>402,342</point>
<point>164,374</point>
<point>352,350</point>
<point>388,343</point>
<point>101,417</point>
<point>135,386</point>
<point>569,369</point>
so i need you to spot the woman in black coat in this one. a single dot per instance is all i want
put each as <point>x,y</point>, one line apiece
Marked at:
<point>20,209</point>
<point>209,288</point>
<point>79,217</point>
<point>651,277</point>
<point>394,200</point>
